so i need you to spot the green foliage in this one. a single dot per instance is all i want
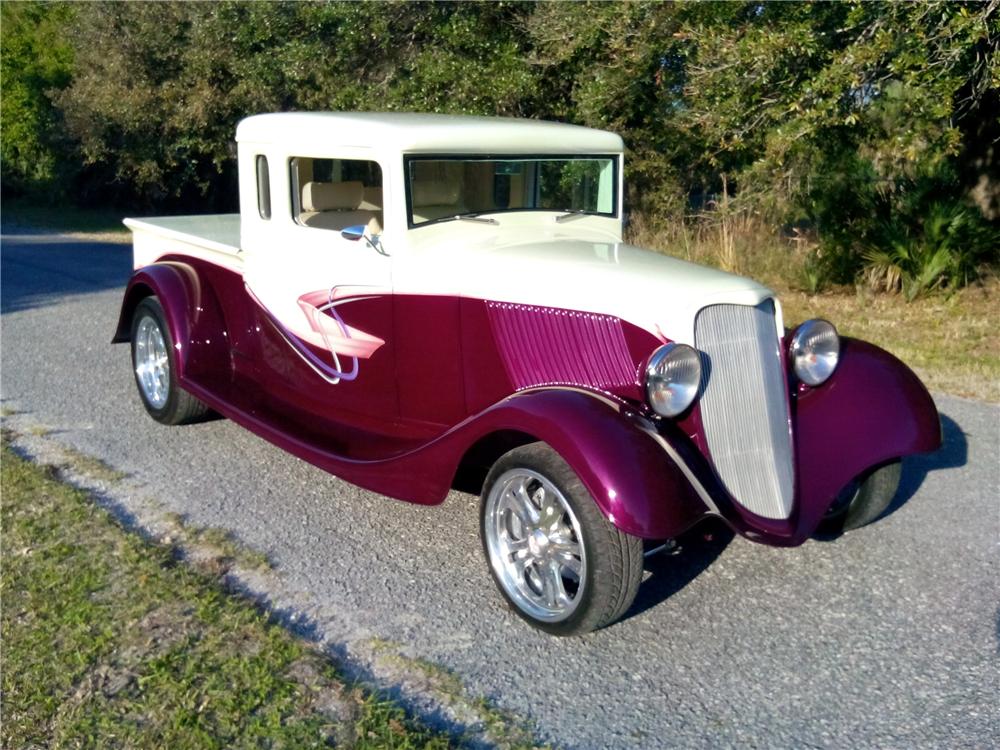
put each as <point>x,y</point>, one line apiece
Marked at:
<point>858,118</point>
<point>166,83</point>
<point>619,66</point>
<point>36,62</point>
<point>941,249</point>
<point>782,82</point>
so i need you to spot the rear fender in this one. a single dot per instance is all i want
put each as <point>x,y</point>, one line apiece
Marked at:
<point>192,312</point>
<point>872,410</point>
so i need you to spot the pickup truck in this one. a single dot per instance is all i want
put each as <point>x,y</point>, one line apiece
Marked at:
<point>418,302</point>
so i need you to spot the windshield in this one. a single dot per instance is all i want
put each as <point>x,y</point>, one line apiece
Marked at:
<point>440,188</point>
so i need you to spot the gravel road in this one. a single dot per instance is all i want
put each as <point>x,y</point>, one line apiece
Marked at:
<point>887,637</point>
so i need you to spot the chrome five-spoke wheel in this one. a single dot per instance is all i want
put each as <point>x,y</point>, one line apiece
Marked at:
<point>152,365</point>
<point>155,366</point>
<point>533,539</point>
<point>554,555</point>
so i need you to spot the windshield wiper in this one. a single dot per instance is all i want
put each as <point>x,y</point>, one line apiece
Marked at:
<point>573,213</point>
<point>475,217</point>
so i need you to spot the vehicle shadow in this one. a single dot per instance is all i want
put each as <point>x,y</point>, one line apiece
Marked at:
<point>40,270</point>
<point>701,546</point>
<point>998,631</point>
<point>669,573</point>
<point>953,454</point>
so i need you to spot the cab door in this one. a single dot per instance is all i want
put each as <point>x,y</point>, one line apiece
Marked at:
<point>323,302</point>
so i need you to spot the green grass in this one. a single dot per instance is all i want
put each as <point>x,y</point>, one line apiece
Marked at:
<point>24,214</point>
<point>109,641</point>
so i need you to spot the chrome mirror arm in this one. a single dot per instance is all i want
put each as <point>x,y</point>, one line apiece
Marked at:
<point>359,231</point>
<point>375,243</point>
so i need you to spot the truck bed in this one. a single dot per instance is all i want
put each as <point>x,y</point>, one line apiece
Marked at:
<point>215,237</point>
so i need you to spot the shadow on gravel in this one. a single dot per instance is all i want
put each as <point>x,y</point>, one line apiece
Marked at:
<point>701,546</point>
<point>954,453</point>
<point>39,270</point>
<point>998,631</point>
<point>670,573</point>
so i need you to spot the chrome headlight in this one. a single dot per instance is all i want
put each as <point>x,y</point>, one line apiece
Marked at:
<point>672,379</point>
<point>815,351</point>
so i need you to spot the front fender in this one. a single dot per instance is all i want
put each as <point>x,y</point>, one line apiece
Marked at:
<point>872,410</point>
<point>632,478</point>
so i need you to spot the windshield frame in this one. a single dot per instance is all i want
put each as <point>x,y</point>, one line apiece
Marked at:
<point>614,157</point>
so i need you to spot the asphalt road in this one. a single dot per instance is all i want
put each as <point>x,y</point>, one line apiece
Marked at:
<point>887,637</point>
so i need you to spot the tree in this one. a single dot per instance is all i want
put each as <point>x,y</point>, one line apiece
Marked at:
<point>857,118</point>
<point>853,116</point>
<point>159,87</point>
<point>36,62</point>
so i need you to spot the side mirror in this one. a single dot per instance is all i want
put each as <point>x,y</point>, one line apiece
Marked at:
<point>354,233</point>
<point>357,232</point>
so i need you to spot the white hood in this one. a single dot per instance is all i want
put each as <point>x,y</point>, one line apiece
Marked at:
<point>648,289</point>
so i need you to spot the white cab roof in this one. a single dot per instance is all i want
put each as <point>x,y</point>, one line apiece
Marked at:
<point>427,133</point>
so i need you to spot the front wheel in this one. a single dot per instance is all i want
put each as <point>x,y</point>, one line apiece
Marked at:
<point>864,499</point>
<point>154,365</point>
<point>556,559</point>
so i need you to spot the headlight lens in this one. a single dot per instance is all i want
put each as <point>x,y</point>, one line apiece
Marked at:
<point>672,379</point>
<point>815,351</point>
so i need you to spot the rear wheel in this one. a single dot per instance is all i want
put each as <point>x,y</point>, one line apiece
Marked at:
<point>559,563</point>
<point>154,365</point>
<point>864,499</point>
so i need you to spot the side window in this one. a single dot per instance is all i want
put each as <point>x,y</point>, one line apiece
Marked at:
<point>263,188</point>
<point>336,193</point>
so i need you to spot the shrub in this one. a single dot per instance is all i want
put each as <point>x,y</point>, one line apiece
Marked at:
<point>944,249</point>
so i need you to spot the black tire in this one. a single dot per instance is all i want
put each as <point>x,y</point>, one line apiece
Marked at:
<point>864,499</point>
<point>612,561</point>
<point>178,406</point>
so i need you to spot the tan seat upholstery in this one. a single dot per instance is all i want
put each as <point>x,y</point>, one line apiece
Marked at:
<point>372,199</point>
<point>434,199</point>
<point>336,205</point>
<point>332,196</point>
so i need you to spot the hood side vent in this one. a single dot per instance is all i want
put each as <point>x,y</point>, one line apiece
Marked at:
<point>549,346</point>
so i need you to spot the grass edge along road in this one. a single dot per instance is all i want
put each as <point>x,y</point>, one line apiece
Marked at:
<point>111,640</point>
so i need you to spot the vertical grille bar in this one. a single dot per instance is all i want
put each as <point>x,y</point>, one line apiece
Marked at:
<point>744,408</point>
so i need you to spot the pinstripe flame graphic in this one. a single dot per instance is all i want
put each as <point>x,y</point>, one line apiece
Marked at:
<point>325,328</point>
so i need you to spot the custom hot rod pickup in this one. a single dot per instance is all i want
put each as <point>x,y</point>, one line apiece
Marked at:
<point>420,302</point>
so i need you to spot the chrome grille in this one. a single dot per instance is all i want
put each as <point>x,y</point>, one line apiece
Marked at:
<point>744,409</point>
